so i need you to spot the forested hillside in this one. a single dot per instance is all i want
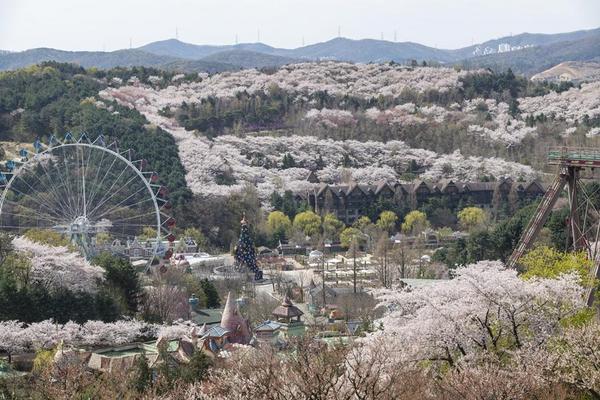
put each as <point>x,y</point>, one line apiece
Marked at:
<point>224,143</point>
<point>363,123</point>
<point>52,99</point>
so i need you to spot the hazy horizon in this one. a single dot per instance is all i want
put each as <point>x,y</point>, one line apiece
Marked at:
<point>111,25</point>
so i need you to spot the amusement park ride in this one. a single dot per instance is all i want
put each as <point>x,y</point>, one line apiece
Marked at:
<point>584,217</point>
<point>92,192</point>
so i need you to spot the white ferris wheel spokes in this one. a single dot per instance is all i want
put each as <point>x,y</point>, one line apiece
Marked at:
<point>97,196</point>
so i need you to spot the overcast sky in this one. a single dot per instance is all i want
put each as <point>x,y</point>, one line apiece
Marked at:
<point>110,24</point>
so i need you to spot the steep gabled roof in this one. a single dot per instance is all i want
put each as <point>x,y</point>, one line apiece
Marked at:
<point>440,187</point>
<point>312,177</point>
<point>322,187</point>
<point>534,185</point>
<point>479,186</point>
<point>504,183</point>
<point>381,186</point>
<point>420,184</point>
<point>445,184</point>
<point>353,187</point>
<point>404,187</point>
<point>301,195</point>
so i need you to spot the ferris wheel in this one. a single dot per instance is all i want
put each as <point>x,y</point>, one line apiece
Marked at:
<point>101,198</point>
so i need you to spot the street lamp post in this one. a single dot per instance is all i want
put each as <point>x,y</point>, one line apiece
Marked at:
<point>323,265</point>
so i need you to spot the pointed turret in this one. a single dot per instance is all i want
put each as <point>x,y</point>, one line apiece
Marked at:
<point>194,336</point>
<point>202,330</point>
<point>233,322</point>
<point>229,318</point>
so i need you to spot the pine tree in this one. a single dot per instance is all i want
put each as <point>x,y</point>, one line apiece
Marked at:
<point>197,369</point>
<point>210,291</point>
<point>320,162</point>
<point>347,162</point>
<point>142,378</point>
<point>288,161</point>
<point>244,252</point>
<point>513,108</point>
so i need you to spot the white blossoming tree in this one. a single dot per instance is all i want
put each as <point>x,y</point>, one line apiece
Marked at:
<point>59,267</point>
<point>486,308</point>
<point>18,337</point>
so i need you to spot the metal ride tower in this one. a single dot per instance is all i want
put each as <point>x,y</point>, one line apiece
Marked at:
<point>584,217</point>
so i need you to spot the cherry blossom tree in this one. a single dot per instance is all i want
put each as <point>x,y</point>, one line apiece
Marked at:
<point>12,339</point>
<point>59,267</point>
<point>331,118</point>
<point>17,337</point>
<point>337,78</point>
<point>255,159</point>
<point>486,308</point>
<point>572,105</point>
<point>572,358</point>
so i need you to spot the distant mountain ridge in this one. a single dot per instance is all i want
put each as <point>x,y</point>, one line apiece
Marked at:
<point>343,49</point>
<point>249,59</point>
<point>527,53</point>
<point>524,39</point>
<point>539,58</point>
<point>179,49</point>
<point>371,50</point>
<point>99,59</point>
<point>367,50</point>
<point>84,58</point>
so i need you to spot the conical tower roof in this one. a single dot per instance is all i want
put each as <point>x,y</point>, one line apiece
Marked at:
<point>230,318</point>
<point>233,322</point>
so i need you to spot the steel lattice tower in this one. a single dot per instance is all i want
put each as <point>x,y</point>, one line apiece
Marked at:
<point>584,217</point>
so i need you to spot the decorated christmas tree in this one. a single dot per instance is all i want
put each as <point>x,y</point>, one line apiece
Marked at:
<point>244,252</point>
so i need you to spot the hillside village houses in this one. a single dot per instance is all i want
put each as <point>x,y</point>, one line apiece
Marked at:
<point>350,201</point>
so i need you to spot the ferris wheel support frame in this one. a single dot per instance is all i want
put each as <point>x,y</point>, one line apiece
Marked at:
<point>148,177</point>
